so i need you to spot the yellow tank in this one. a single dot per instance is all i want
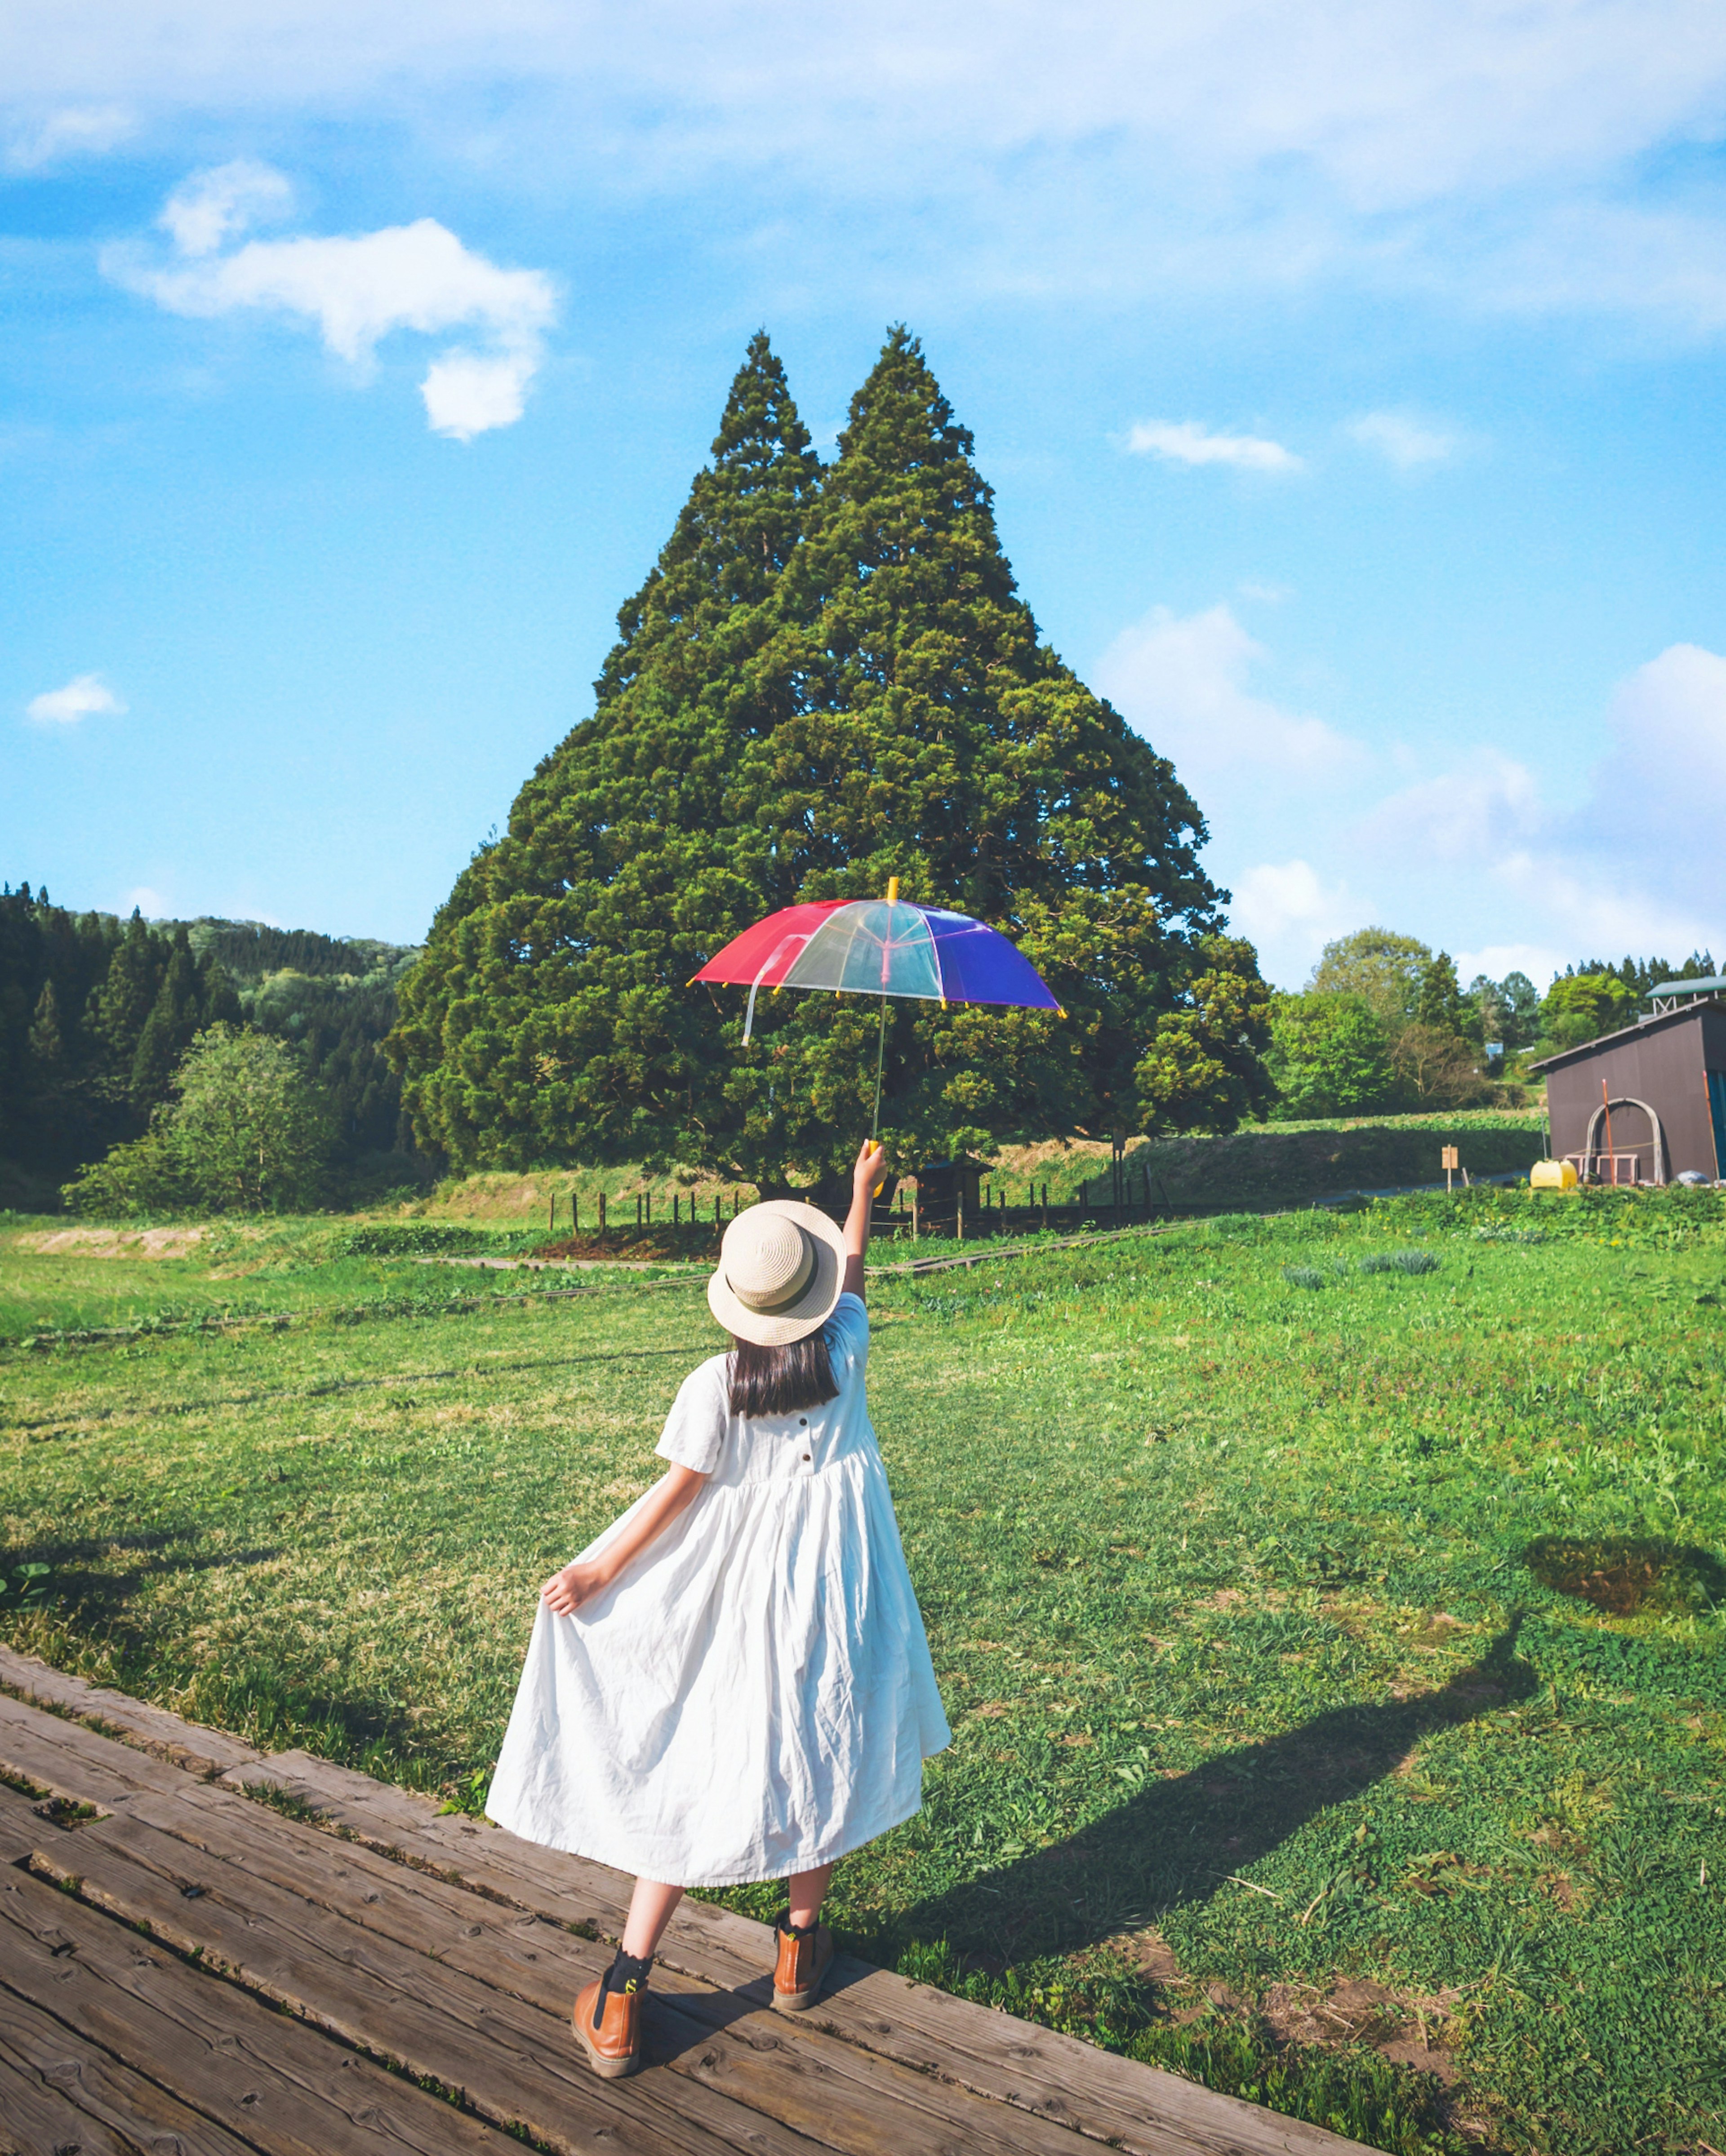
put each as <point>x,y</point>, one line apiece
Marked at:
<point>1552,1175</point>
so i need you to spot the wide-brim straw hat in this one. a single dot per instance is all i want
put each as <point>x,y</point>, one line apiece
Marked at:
<point>781,1268</point>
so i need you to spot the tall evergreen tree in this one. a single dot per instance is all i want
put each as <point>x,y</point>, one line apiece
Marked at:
<point>873,701</point>
<point>168,1032</point>
<point>127,997</point>
<point>551,1000</point>
<point>939,739</point>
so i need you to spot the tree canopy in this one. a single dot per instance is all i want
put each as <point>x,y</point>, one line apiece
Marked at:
<point>828,680</point>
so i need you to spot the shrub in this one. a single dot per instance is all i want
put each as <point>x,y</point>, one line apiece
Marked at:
<point>247,1132</point>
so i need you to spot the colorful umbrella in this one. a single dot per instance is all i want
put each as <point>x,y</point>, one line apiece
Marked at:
<point>880,947</point>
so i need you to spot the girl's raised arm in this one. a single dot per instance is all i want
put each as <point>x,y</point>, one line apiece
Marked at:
<point>865,1176</point>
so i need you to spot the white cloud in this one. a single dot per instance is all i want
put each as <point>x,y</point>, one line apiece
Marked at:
<point>465,394</point>
<point>1186,442</point>
<point>1541,962</point>
<point>219,204</point>
<point>358,291</point>
<point>1289,911</point>
<point>1502,154</point>
<point>86,696</point>
<point>1181,681</point>
<point>74,130</point>
<point>150,903</point>
<point>1637,866</point>
<point>1487,808</point>
<point>1404,442</point>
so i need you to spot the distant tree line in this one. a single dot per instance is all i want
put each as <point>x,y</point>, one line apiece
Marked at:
<point>97,1015</point>
<point>1385,1025</point>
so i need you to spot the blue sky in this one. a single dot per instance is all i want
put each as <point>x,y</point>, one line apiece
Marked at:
<point>1349,377</point>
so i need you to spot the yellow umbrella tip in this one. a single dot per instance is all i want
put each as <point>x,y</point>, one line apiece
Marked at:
<point>892,891</point>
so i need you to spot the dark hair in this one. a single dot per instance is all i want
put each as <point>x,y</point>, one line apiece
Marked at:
<point>774,1381</point>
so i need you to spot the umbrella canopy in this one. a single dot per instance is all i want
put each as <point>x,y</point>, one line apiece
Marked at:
<point>876,946</point>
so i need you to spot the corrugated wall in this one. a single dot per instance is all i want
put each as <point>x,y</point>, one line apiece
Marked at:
<point>1664,1064</point>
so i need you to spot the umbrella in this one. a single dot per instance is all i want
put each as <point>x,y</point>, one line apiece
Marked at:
<point>883,947</point>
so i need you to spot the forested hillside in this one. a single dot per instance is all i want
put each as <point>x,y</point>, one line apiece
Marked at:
<point>95,1012</point>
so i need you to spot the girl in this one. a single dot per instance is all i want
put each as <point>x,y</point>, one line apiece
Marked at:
<point>732,1683</point>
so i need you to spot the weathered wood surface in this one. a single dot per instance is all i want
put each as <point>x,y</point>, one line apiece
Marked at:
<point>59,2091</point>
<point>333,1972</point>
<point>220,2052</point>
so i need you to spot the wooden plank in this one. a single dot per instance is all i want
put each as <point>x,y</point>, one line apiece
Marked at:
<point>100,2107</point>
<point>277,2086</point>
<point>1139,2108</point>
<point>35,2120</point>
<point>731,2042</point>
<point>182,1744</point>
<point>514,2065</point>
<point>703,1939</point>
<point>70,1761</point>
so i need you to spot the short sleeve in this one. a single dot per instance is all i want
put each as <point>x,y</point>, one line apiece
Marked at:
<point>695,1429</point>
<point>850,1324</point>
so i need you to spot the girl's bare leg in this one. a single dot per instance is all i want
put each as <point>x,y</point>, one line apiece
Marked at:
<point>651,1908</point>
<point>807,1890</point>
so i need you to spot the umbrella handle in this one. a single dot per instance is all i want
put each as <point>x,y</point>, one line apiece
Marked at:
<point>881,1050</point>
<point>880,1045</point>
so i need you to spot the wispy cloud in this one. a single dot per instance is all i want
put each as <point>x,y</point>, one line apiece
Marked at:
<point>358,289</point>
<point>223,202</point>
<point>1509,156</point>
<point>1186,442</point>
<point>74,130</point>
<point>1405,442</point>
<point>85,697</point>
<point>1182,681</point>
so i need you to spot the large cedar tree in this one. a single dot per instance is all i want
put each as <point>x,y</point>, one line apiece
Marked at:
<point>829,680</point>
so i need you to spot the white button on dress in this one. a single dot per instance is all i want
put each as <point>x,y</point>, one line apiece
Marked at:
<point>753,1695</point>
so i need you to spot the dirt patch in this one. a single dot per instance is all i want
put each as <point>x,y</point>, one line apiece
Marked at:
<point>1408,2027</point>
<point>113,1242</point>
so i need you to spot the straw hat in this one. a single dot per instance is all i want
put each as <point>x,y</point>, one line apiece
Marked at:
<point>781,1266</point>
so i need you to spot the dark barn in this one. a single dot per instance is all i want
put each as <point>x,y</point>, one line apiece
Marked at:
<point>1664,1083</point>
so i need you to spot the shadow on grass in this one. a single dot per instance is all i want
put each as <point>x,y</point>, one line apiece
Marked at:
<point>256,1700</point>
<point>1622,1574</point>
<point>89,1592</point>
<point>1176,1841</point>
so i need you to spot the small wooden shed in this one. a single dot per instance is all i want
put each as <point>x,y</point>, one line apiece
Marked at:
<point>1660,1084</point>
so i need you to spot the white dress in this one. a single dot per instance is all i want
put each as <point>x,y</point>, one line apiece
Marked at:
<point>753,1696</point>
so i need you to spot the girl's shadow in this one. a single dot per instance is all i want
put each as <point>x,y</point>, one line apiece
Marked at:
<point>1175,1841</point>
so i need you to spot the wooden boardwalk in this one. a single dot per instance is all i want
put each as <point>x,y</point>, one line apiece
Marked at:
<point>187,1971</point>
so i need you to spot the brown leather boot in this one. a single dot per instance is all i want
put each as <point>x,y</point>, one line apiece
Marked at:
<point>805,1959</point>
<point>607,2019</point>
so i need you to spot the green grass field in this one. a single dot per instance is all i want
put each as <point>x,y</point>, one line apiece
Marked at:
<point>1333,1646</point>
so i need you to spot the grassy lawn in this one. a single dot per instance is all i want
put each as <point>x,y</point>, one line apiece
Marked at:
<point>1333,1647</point>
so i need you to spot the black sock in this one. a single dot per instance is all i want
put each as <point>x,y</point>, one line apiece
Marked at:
<point>626,1974</point>
<point>799,1931</point>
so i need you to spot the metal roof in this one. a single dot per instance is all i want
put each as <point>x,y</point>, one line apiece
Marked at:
<point>1712,986</point>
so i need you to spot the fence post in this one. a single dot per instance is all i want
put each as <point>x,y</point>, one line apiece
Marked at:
<point>676,1209</point>
<point>960,1235</point>
<point>574,1213</point>
<point>602,1211</point>
<point>914,1192</point>
<point>638,1209</point>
